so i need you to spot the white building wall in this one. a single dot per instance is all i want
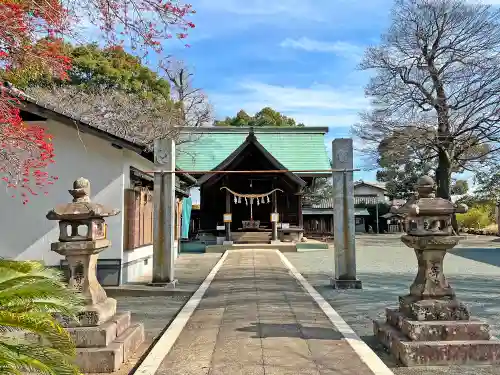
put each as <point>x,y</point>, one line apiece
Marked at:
<point>25,233</point>
<point>365,190</point>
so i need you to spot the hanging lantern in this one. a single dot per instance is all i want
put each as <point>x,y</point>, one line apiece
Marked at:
<point>258,202</point>
<point>246,201</point>
<point>239,199</point>
<point>268,201</point>
<point>262,200</point>
<point>235,200</point>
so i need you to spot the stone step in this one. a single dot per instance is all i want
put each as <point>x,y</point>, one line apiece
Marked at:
<point>102,335</point>
<point>437,353</point>
<point>110,358</point>
<point>440,330</point>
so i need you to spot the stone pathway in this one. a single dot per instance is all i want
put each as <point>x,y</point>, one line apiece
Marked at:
<point>155,309</point>
<point>256,319</point>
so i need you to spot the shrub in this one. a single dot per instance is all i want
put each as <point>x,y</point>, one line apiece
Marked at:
<point>477,217</point>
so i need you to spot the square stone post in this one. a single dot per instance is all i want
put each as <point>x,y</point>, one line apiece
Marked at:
<point>164,214</point>
<point>343,212</point>
<point>497,210</point>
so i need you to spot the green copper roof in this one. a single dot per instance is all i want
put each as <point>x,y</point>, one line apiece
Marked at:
<point>295,148</point>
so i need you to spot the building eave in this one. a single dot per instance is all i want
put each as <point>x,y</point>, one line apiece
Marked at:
<point>44,110</point>
<point>260,129</point>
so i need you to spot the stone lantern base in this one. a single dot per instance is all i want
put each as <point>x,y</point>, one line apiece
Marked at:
<point>448,336</point>
<point>104,348</point>
<point>104,339</point>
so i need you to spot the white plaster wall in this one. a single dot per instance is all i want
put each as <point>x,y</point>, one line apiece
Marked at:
<point>137,264</point>
<point>25,233</point>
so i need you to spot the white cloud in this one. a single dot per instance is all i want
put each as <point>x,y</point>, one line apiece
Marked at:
<point>317,105</point>
<point>488,2</point>
<point>292,13</point>
<point>340,48</point>
<point>266,8</point>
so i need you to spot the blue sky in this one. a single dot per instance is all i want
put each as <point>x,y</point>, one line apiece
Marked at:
<point>299,57</point>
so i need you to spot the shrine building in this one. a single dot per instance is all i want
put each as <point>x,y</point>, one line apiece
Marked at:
<point>250,196</point>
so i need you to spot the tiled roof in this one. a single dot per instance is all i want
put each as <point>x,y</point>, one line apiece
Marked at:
<point>295,148</point>
<point>328,202</point>
<point>378,185</point>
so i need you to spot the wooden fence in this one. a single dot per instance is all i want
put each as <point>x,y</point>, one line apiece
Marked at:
<point>138,218</point>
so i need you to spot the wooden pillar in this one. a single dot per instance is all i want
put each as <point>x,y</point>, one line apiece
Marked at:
<point>301,218</point>
<point>274,224</point>
<point>228,211</point>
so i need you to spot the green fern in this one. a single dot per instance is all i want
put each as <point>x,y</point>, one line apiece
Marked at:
<point>31,339</point>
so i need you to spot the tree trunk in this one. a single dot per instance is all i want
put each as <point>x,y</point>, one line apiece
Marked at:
<point>443,181</point>
<point>443,175</point>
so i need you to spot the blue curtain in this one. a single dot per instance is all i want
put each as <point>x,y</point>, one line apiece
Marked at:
<point>187,205</point>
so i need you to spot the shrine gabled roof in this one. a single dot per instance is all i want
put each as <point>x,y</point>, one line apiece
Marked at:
<point>303,148</point>
<point>251,139</point>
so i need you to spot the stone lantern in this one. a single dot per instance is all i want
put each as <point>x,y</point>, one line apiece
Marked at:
<point>431,326</point>
<point>103,337</point>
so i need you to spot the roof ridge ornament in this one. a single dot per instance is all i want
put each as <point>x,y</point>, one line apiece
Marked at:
<point>251,133</point>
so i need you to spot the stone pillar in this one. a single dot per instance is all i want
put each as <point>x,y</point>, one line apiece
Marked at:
<point>498,217</point>
<point>343,224</point>
<point>432,327</point>
<point>104,339</point>
<point>164,214</point>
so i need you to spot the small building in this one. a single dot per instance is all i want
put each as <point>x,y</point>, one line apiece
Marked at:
<point>120,174</point>
<point>318,218</point>
<point>369,192</point>
<point>251,195</point>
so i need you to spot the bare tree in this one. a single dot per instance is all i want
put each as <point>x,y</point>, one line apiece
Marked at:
<point>194,105</point>
<point>126,115</point>
<point>437,84</point>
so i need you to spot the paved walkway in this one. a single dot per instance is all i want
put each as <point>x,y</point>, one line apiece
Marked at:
<point>255,319</point>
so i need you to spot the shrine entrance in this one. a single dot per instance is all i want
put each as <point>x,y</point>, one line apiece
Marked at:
<point>250,198</point>
<point>252,210</point>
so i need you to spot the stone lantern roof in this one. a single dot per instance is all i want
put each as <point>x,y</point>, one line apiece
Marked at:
<point>427,215</point>
<point>81,207</point>
<point>425,203</point>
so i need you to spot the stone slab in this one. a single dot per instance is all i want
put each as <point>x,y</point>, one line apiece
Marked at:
<point>122,321</point>
<point>102,335</point>
<point>436,353</point>
<point>130,339</point>
<point>438,330</point>
<point>97,314</point>
<point>167,284</point>
<point>283,247</point>
<point>109,359</point>
<point>345,284</point>
<point>432,309</point>
<point>100,360</point>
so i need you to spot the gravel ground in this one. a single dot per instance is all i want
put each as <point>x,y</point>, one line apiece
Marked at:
<point>387,268</point>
